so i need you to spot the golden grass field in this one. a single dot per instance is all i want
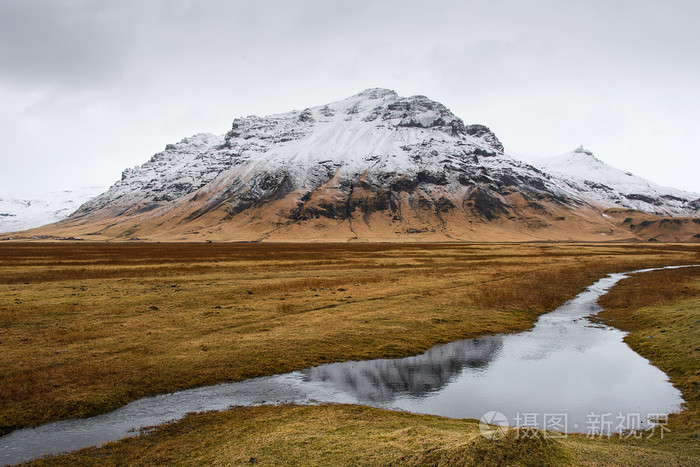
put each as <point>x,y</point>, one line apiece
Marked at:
<point>86,328</point>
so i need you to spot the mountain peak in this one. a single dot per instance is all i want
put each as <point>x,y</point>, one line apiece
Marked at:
<point>379,105</point>
<point>612,187</point>
<point>376,93</point>
<point>581,150</point>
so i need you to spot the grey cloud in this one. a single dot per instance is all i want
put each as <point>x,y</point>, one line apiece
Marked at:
<point>546,75</point>
<point>62,42</point>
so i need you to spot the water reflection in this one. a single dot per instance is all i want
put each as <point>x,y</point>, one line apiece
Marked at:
<point>382,380</point>
<point>565,365</point>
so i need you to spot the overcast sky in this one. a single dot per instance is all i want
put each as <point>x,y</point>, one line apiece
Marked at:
<point>88,88</point>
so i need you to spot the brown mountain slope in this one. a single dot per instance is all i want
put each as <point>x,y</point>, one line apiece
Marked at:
<point>425,213</point>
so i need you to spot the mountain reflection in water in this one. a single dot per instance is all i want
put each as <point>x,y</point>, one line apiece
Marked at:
<point>382,380</point>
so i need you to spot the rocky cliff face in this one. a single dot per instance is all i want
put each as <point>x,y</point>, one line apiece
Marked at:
<point>375,166</point>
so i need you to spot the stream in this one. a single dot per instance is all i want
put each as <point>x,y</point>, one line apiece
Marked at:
<point>567,374</point>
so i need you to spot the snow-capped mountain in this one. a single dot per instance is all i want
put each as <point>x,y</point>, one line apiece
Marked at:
<point>600,183</point>
<point>376,135</point>
<point>374,166</point>
<point>21,214</point>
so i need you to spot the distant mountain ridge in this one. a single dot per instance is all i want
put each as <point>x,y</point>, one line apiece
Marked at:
<point>600,183</point>
<point>21,214</point>
<point>375,166</point>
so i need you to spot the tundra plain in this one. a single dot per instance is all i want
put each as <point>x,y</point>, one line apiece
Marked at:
<point>87,328</point>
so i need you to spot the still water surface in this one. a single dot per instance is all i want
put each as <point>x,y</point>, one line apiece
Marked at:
<point>566,369</point>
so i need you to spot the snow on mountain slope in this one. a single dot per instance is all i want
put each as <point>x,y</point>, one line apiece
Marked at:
<point>601,183</point>
<point>373,166</point>
<point>376,139</point>
<point>22,214</point>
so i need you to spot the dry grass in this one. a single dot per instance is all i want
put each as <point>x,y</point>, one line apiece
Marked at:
<point>319,435</point>
<point>86,328</point>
